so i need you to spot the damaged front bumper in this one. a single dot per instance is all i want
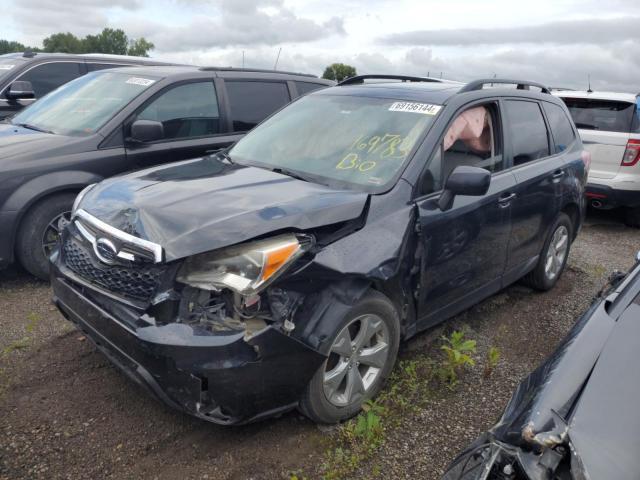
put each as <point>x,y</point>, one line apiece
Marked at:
<point>225,379</point>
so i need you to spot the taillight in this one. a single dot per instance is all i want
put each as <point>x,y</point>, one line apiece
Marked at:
<point>631,154</point>
<point>586,159</point>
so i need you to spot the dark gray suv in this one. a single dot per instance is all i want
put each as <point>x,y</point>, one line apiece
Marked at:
<point>118,120</point>
<point>45,72</point>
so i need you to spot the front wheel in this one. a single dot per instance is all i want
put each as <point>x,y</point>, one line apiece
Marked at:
<point>553,257</point>
<point>39,232</point>
<point>362,354</point>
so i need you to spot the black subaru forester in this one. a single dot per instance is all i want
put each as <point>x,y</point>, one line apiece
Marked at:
<point>285,271</point>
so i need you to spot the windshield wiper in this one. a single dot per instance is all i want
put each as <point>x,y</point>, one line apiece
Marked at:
<point>586,126</point>
<point>223,153</point>
<point>290,173</point>
<point>33,127</point>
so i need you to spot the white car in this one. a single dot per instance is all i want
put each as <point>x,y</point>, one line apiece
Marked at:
<point>609,124</point>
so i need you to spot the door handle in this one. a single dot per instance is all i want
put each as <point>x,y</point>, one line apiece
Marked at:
<point>558,174</point>
<point>505,199</point>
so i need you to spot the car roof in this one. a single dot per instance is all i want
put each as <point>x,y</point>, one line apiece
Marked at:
<point>618,96</point>
<point>183,72</point>
<point>437,91</point>
<point>35,56</point>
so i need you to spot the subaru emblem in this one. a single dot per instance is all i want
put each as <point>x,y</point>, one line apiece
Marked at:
<point>106,251</point>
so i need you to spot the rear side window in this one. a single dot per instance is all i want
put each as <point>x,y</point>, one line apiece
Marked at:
<point>185,111</point>
<point>561,129</point>
<point>48,77</point>
<point>306,87</point>
<point>527,131</point>
<point>252,102</point>
<point>606,115</point>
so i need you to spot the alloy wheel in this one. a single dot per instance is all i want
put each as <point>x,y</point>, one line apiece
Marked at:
<point>52,232</point>
<point>357,357</point>
<point>556,252</point>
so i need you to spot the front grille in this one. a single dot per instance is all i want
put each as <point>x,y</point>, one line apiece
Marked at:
<point>138,281</point>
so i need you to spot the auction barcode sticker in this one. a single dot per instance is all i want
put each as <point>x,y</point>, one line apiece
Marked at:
<point>6,67</point>
<point>414,107</point>
<point>145,82</point>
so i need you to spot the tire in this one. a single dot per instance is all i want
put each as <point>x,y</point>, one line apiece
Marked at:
<point>324,404</point>
<point>540,277</point>
<point>632,217</point>
<point>36,223</point>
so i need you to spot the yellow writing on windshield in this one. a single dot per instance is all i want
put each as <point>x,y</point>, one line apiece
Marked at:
<point>366,151</point>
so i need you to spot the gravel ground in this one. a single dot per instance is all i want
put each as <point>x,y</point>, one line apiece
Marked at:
<point>66,413</point>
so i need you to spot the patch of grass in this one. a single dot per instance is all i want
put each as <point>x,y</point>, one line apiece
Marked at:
<point>493,357</point>
<point>457,352</point>
<point>358,439</point>
<point>22,343</point>
<point>408,390</point>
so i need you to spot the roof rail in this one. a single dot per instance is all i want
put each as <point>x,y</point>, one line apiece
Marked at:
<point>404,78</point>
<point>253,70</point>
<point>521,85</point>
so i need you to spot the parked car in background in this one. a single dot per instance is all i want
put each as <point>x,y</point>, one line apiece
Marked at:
<point>576,416</point>
<point>117,120</point>
<point>26,77</point>
<point>609,124</point>
<point>285,271</point>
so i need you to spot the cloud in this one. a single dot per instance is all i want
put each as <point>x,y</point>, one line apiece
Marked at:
<point>40,18</point>
<point>239,23</point>
<point>565,32</point>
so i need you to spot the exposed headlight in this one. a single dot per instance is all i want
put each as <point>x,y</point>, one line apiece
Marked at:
<point>245,268</point>
<point>79,198</point>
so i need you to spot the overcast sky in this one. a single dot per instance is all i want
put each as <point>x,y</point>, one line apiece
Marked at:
<point>556,42</point>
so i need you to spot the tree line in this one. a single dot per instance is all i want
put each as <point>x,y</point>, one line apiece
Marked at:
<point>116,42</point>
<point>110,41</point>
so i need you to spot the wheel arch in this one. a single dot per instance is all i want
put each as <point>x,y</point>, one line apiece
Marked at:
<point>38,189</point>
<point>572,210</point>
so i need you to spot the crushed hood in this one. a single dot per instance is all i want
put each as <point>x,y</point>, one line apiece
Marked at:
<point>204,204</point>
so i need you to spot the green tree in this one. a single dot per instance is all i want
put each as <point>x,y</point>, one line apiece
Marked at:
<point>139,47</point>
<point>9,46</point>
<point>63,43</point>
<point>339,72</point>
<point>108,41</point>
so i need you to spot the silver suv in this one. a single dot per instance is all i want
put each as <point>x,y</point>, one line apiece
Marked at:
<point>609,124</point>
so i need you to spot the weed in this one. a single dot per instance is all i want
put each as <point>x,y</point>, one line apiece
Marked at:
<point>457,351</point>
<point>493,356</point>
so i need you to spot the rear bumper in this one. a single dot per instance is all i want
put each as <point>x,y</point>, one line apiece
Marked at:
<point>225,379</point>
<point>605,197</point>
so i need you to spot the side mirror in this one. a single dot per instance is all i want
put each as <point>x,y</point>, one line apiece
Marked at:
<point>471,181</point>
<point>20,89</point>
<point>146,131</point>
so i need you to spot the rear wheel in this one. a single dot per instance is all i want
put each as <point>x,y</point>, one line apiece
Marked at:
<point>39,232</point>
<point>553,257</point>
<point>632,217</point>
<point>362,354</point>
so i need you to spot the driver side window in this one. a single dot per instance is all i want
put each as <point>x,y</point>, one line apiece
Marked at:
<point>471,140</point>
<point>185,111</point>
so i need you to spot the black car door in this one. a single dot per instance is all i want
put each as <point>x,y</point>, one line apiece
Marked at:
<point>539,175</point>
<point>192,122</point>
<point>464,248</point>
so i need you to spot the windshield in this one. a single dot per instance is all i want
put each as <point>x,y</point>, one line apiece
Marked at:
<point>82,106</point>
<point>344,141</point>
